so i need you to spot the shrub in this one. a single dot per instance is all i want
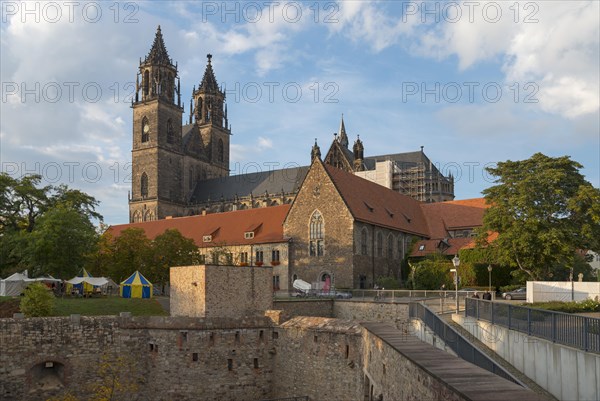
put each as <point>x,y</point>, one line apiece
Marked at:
<point>37,301</point>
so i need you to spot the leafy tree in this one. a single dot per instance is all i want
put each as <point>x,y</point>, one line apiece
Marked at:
<point>24,204</point>
<point>543,211</point>
<point>434,271</point>
<point>119,257</point>
<point>37,301</point>
<point>118,378</point>
<point>61,242</point>
<point>170,249</point>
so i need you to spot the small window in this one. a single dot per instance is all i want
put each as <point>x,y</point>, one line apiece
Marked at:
<point>230,364</point>
<point>201,259</point>
<point>275,335</point>
<point>249,235</point>
<point>237,336</point>
<point>275,255</point>
<point>244,257</point>
<point>215,258</point>
<point>255,363</point>
<point>421,247</point>
<point>229,257</point>
<point>259,256</point>
<point>195,357</point>
<point>207,238</point>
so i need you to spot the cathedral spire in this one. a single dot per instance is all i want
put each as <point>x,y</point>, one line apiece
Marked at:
<point>209,82</point>
<point>315,151</point>
<point>158,53</point>
<point>342,137</point>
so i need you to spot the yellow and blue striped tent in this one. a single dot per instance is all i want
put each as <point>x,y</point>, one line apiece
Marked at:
<point>136,286</point>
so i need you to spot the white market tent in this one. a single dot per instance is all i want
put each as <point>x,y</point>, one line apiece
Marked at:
<point>14,284</point>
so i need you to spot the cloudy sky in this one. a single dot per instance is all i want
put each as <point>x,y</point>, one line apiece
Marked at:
<point>473,82</point>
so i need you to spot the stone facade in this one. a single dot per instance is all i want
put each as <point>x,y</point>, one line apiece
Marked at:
<point>206,291</point>
<point>319,195</point>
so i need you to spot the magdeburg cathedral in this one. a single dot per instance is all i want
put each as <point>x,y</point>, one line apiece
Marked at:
<point>183,169</point>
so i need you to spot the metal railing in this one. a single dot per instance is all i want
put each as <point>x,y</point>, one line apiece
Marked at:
<point>572,330</point>
<point>457,343</point>
<point>379,295</point>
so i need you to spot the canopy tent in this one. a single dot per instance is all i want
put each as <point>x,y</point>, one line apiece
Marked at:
<point>14,284</point>
<point>136,286</point>
<point>84,283</point>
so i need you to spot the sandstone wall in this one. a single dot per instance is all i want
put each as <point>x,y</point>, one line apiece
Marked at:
<point>220,291</point>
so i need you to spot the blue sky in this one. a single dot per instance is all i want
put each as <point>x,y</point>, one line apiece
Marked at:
<point>473,82</point>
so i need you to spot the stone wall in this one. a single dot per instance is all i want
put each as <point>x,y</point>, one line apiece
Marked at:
<point>220,291</point>
<point>306,307</point>
<point>155,358</point>
<point>395,313</point>
<point>319,358</point>
<point>319,194</point>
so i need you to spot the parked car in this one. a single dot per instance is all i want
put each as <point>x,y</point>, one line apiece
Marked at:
<point>519,293</point>
<point>334,294</point>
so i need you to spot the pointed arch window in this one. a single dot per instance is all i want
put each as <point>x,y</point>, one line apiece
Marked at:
<point>144,185</point>
<point>363,242</point>
<point>379,244</point>
<point>390,247</point>
<point>220,151</point>
<point>170,133</point>
<point>199,111</point>
<point>146,83</point>
<point>316,234</point>
<point>145,130</point>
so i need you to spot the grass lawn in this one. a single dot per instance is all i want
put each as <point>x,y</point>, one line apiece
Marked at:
<point>107,306</point>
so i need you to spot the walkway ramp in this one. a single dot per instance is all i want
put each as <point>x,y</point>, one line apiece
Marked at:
<point>464,378</point>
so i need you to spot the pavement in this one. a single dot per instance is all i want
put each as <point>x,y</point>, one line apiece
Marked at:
<point>164,302</point>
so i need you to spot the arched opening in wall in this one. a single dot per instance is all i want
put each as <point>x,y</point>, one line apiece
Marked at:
<point>145,130</point>
<point>199,109</point>
<point>46,376</point>
<point>144,185</point>
<point>220,150</point>
<point>170,133</point>
<point>170,87</point>
<point>146,82</point>
<point>137,216</point>
<point>326,280</point>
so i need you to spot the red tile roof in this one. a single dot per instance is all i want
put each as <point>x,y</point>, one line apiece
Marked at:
<point>372,203</point>
<point>226,228</point>
<point>449,246</point>
<point>454,215</point>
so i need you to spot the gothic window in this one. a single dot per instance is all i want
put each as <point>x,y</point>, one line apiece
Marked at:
<point>379,244</point>
<point>146,83</point>
<point>144,185</point>
<point>390,247</point>
<point>137,216</point>
<point>148,216</point>
<point>220,150</point>
<point>170,134</point>
<point>316,234</point>
<point>363,242</point>
<point>199,109</point>
<point>171,87</point>
<point>145,130</point>
<point>400,255</point>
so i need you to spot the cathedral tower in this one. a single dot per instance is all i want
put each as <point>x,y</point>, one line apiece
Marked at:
<point>157,160</point>
<point>209,114</point>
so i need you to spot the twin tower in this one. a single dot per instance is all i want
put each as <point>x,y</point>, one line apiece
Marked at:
<point>168,157</point>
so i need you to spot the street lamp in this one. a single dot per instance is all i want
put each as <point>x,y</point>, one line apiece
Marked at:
<point>455,287</point>
<point>490,275</point>
<point>456,263</point>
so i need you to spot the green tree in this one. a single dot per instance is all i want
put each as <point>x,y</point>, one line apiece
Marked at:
<point>62,241</point>
<point>434,271</point>
<point>543,210</point>
<point>169,249</point>
<point>128,252</point>
<point>37,301</point>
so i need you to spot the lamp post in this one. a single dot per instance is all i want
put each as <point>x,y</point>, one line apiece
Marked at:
<point>456,263</point>
<point>490,276</point>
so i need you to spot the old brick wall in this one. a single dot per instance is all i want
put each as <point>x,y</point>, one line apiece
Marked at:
<point>395,313</point>
<point>173,358</point>
<point>319,358</point>
<point>396,377</point>
<point>319,193</point>
<point>306,307</point>
<point>223,291</point>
